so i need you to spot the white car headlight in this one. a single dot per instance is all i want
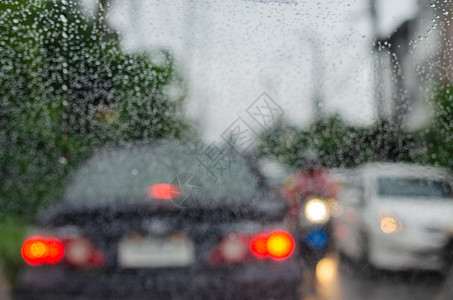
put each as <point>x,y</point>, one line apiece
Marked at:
<point>389,224</point>
<point>316,211</point>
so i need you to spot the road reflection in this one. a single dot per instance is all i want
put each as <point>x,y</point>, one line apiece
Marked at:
<point>327,284</point>
<point>336,279</point>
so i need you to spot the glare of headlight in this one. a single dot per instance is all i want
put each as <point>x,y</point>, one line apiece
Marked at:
<point>326,270</point>
<point>316,211</point>
<point>390,225</point>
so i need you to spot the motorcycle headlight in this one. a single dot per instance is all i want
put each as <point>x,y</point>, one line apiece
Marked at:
<point>316,211</point>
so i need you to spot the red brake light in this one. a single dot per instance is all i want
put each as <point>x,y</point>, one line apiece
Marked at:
<point>38,250</point>
<point>280,245</point>
<point>258,245</point>
<point>55,251</point>
<point>277,245</point>
<point>76,251</point>
<point>163,191</point>
<point>236,248</point>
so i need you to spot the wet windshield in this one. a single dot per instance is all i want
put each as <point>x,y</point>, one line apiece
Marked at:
<point>216,149</point>
<point>413,188</point>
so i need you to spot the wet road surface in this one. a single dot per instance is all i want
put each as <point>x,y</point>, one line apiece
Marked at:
<point>4,287</point>
<point>336,279</point>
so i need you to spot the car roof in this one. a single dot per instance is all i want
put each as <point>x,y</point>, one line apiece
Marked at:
<point>125,173</point>
<point>403,169</point>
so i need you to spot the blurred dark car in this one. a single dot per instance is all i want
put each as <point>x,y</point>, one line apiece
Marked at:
<point>162,221</point>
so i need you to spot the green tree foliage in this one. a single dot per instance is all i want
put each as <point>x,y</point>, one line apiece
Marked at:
<point>339,144</point>
<point>439,136</point>
<point>67,87</point>
<point>107,95</point>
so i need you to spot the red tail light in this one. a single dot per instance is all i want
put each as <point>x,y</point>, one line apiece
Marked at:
<point>258,246</point>
<point>164,191</point>
<point>237,248</point>
<point>77,252</point>
<point>277,245</point>
<point>280,245</point>
<point>39,250</point>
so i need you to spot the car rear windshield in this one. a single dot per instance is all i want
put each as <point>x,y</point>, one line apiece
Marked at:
<point>413,188</point>
<point>129,173</point>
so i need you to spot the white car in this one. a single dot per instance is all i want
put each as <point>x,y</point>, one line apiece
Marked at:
<point>396,216</point>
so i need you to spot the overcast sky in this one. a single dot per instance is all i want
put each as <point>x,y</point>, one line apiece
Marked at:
<point>233,51</point>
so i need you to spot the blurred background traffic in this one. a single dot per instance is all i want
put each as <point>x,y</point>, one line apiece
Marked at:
<point>339,111</point>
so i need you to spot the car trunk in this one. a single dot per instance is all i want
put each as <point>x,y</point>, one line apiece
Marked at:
<point>137,238</point>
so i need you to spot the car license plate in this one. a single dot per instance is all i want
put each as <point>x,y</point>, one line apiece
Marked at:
<point>176,250</point>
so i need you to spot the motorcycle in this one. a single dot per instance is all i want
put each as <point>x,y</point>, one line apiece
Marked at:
<point>315,227</point>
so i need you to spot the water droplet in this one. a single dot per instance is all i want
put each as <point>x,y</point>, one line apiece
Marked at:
<point>62,160</point>
<point>63,19</point>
